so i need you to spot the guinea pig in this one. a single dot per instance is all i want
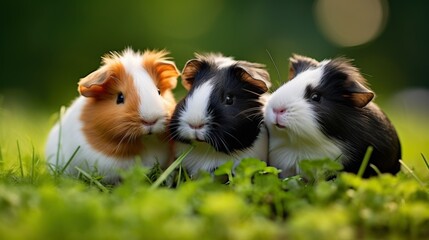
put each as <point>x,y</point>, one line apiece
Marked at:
<point>221,116</point>
<point>121,115</point>
<point>325,111</point>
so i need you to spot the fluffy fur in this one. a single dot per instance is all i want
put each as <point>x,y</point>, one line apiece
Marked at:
<point>325,111</point>
<point>222,112</point>
<point>121,114</point>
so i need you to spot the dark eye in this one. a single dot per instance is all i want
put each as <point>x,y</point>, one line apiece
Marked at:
<point>120,99</point>
<point>315,97</point>
<point>159,92</point>
<point>229,100</point>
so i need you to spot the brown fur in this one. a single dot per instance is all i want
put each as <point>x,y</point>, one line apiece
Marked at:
<point>115,129</point>
<point>189,71</point>
<point>255,74</point>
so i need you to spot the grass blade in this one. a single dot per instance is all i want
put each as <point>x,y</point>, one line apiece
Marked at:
<point>33,165</point>
<point>95,181</point>
<point>424,159</point>
<point>375,168</point>
<point>179,178</point>
<point>1,159</point>
<point>20,159</point>
<point>412,173</point>
<point>69,161</point>
<point>62,111</point>
<point>365,161</point>
<point>170,169</point>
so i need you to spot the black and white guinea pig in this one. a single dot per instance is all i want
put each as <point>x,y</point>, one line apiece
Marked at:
<point>325,111</point>
<point>222,113</point>
<point>122,114</point>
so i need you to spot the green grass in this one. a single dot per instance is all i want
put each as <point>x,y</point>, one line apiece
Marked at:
<point>254,205</point>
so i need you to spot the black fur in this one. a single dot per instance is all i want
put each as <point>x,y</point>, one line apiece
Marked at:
<point>233,127</point>
<point>298,64</point>
<point>342,117</point>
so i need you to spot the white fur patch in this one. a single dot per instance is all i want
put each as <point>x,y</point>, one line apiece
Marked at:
<point>151,103</point>
<point>195,112</point>
<point>300,136</point>
<point>299,119</point>
<point>205,158</point>
<point>86,157</point>
<point>224,62</point>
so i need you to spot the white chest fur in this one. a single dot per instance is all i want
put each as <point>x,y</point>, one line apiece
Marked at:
<point>286,156</point>
<point>205,158</point>
<point>67,136</point>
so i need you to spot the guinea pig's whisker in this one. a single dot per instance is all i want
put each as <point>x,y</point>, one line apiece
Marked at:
<point>255,101</point>
<point>212,141</point>
<point>167,138</point>
<point>220,141</point>
<point>171,137</point>
<point>260,123</point>
<point>234,138</point>
<point>254,112</point>
<point>247,90</point>
<point>207,152</point>
<point>120,142</point>
<point>114,129</point>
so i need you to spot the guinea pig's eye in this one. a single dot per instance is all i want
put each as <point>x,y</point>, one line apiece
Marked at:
<point>315,97</point>
<point>120,99</point>
<point>159,92</point>
<point>229,100</point>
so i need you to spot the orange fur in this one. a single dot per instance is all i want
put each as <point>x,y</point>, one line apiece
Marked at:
<point>115,129</point>
<point>104,121</point>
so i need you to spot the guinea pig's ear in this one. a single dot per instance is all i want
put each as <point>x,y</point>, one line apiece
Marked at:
<point>255,74</point>
<point>352,81</point>
<point>359,94</point>
<point>167,74</point>
<point>163,71</point>
<point>93,84</point>
<point>298,63</point>
<point>189,71</point>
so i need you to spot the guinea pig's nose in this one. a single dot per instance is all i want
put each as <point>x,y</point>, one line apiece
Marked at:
<point>196,125</point>
<point>279,111</point>
<point>149,122</point>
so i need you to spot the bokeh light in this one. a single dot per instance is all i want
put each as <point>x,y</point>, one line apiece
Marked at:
<point>351,22</point>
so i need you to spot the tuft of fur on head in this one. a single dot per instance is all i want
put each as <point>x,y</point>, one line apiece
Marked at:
<point>250,73</point>
<point>299,63</point>
<point>224,105</point>
<point>145,81</point>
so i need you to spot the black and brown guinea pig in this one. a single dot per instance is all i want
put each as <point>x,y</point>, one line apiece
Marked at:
<point>325,111</point>
<point>222,113</point>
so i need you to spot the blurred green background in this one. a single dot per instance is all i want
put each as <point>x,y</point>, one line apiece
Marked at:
<point>46,46</point>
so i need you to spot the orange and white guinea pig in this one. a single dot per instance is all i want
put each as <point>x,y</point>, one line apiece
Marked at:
<point>120,116</point>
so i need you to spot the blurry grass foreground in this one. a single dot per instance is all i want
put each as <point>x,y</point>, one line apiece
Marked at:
<point>254,204</point>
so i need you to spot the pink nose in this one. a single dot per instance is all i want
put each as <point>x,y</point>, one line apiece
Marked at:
<point>196,126</point>
<point>279,111</point>
<point>148,122</point>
